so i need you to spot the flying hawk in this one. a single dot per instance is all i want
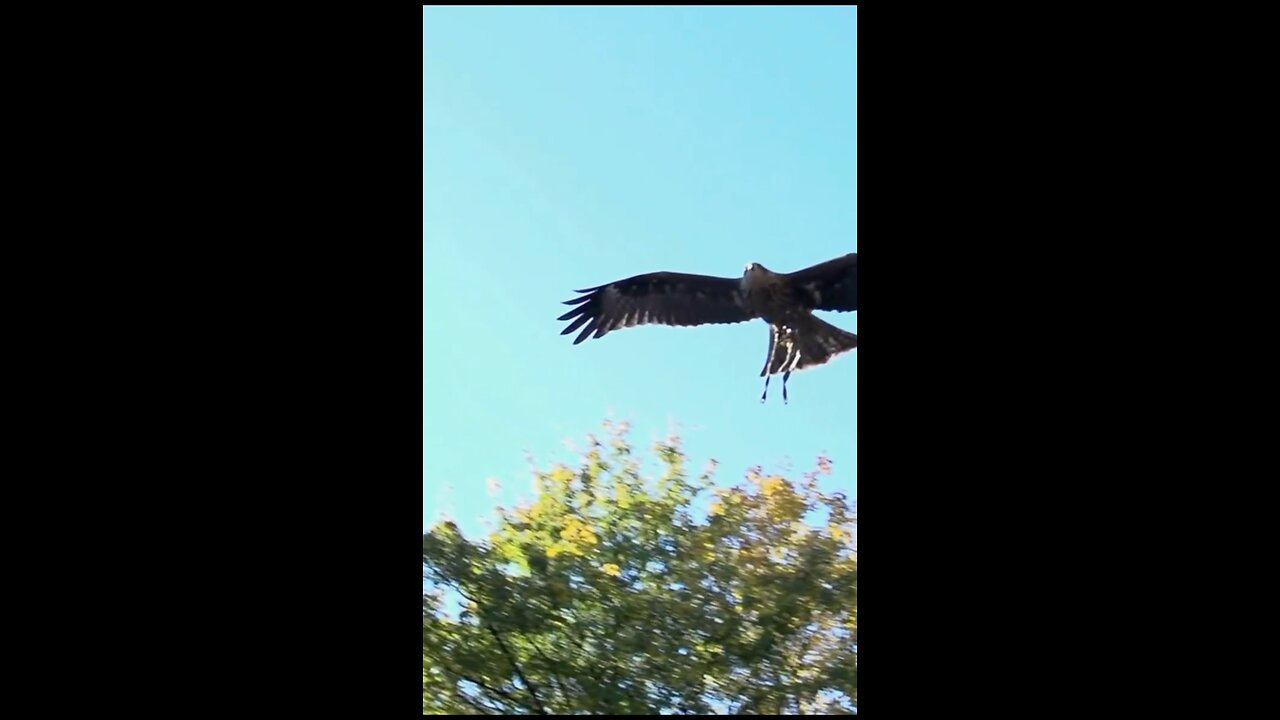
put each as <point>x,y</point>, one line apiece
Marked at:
<point>797,338</point>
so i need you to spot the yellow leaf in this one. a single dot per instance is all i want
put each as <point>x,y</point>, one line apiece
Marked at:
<point>772,485</point>
<point>611,569</point>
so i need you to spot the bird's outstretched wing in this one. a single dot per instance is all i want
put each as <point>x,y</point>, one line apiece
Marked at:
<point>832,285</point>
<point>662,298</point>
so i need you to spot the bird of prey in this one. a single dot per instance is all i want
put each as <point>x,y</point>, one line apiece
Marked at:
<point>797,338</point>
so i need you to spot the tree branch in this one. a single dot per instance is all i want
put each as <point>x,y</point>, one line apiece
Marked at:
<point>533,691</point>
<point>463,697</point>
<point>551,668</point>
<point>485,686</point>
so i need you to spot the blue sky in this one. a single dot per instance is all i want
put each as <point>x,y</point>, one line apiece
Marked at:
<point>569,147</point>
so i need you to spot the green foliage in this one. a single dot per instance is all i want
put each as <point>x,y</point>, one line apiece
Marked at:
<point>610,594</point>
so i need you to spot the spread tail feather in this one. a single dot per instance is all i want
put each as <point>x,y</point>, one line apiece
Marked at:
<point>805,343</point>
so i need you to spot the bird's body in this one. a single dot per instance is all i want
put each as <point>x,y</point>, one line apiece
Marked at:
<point>786,301</point>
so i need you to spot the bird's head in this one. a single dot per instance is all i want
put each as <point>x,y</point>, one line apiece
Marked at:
<point>754,269</point>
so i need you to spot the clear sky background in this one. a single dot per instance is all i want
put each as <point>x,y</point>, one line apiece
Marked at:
<point>568,147</point>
